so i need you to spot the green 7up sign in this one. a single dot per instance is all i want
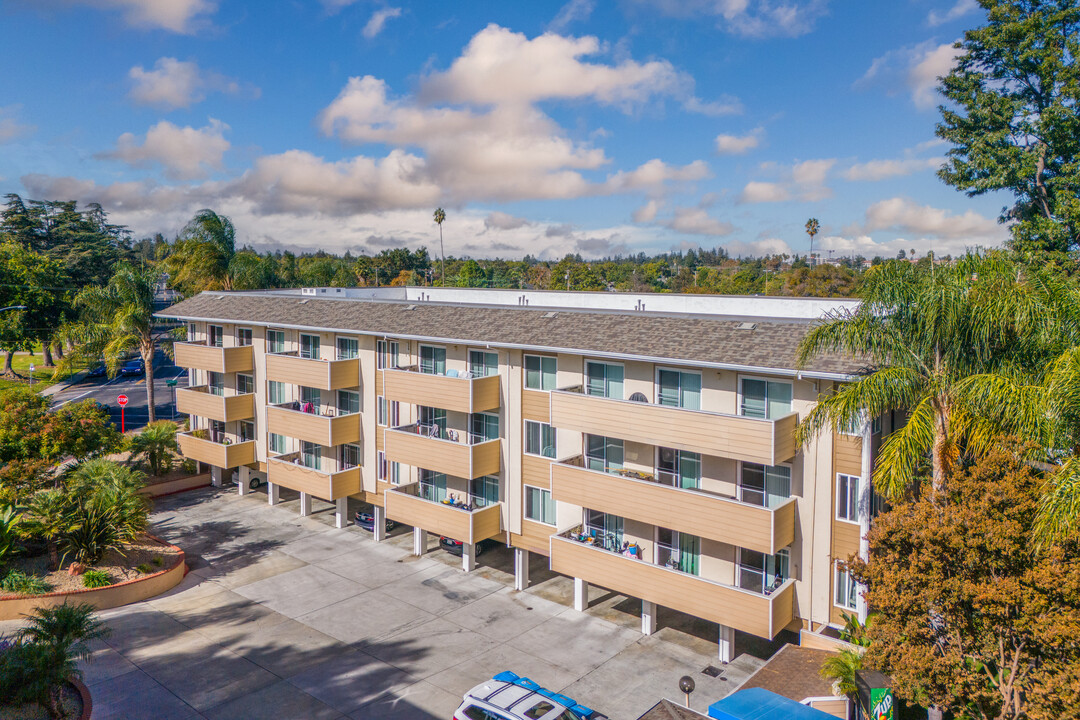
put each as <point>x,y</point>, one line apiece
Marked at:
<point>881,704</point>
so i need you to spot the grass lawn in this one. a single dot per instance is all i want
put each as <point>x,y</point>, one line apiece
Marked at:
<point>43,377</point>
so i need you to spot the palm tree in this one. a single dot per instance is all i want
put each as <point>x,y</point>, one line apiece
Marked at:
<point>155,446</point>
<point>58,637</point>
<point>116,320</point>
<point>812,228</point>
<point>203,255</point>
<point>954,347</point>
<point>440,217</point>
<point>840,669</point>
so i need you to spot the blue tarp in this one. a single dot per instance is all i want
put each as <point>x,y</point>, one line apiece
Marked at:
<point>760,704</point>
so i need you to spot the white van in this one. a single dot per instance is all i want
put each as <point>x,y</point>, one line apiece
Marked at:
<point>509,697</point>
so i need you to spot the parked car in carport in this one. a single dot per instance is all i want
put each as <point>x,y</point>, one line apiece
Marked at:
<point>456,547</point>
<point>367,521</point>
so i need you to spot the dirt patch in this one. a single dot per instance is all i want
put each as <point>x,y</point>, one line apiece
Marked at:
<point>154,555</point>
<point>70,702</point>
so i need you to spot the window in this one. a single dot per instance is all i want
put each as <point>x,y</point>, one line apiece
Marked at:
<point>539,439</point>
<point>388,411</point>
<point>482,364</point>
<point>310,399</point>
<point>191,332</point>
<point>606,528</point>
<point>276,392</point>
<point>539,505</point>
<point>216,383</point>
<point>679,389</point>
<point>388,471</point>
<point>765,399</point>
<point>275,341</point>
<point>539,710</point>
<point>309,346</point>
<point>603,453</point>
<point>243,336</point>
<point>310,455</point>
<point>247,431</point>
<point>386,353</point>
<point>432,486</point>
<point>217,431</point>
<point>349,457</point>
<point>278,444</point>
<point>875,426</point>
<point>678,468</point>
<point>245,384</point>
<point>847,497</point>
<point>539,372</point>
<point>484,491</point>
<point>433,417</point>
<point>764,485</point>
<point>846,595</point>
<point>216,336</point>
<point>762,573</point>
<point>483,427</point>
<point>475,712</point>
<point>432,360</point>
<point>678,551</point>
<point>348,348</point>
<point>604,380</point>
<point>851,428</point>
<point>348,402</point>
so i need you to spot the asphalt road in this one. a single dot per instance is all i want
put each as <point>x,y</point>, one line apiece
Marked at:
<point>105,391</point>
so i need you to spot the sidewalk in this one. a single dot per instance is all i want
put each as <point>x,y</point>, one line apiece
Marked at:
<point>64,384</point>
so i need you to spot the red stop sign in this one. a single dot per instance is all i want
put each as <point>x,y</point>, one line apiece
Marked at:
<point>122,400</point>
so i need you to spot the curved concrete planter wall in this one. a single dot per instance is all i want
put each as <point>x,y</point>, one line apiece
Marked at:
<point>12,607</point>
<point>87,702</point>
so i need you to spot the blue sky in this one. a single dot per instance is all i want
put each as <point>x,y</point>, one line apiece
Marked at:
<point>541,127</point>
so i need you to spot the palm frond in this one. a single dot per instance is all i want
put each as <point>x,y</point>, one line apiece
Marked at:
<point>1059,510</point>
<point>891,388</point>
<point>903,450</point>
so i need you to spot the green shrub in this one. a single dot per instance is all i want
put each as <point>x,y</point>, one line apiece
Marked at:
<point>158,561</point>
<point>9,521</point>
<point>154,446</point>
<point>144,568</point>
<point>19,582</point>
<point>107,510</point>
<point>96,579</point>
<point>28,673</point>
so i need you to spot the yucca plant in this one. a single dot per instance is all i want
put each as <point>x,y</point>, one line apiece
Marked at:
<point>154,447</point>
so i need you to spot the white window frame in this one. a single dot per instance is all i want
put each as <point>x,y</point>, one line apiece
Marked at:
<point>300,344</point>
<point>849,583</point>
<point>387,412</point>
<point>381,353</point>
<point>525,505</point>
<point>525,439</point>
<point>387,470</point>
<point>251,376</point>
<point>656,384</point>
<point>487,351</point>
<point>220,334</point>
<point>433,346</point>
<point>585,377</point>
<point>525,374</point>
<point>241,329</point>
<point>284,340</point>
<point>765,378</point>
<point>192,332</point>
<point>346,337</point>
<point>739,483</point>
<point>847,496</point>
<point>270,443</point>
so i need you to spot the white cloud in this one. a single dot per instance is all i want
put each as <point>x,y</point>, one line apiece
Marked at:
<point>803,181</point>
<point>753,18</point>
<point>647,212</point>
<point>902,215</point>
<point>758,248</point>
<point>738,144</point>
<point>876,170</point>
<point>654,175</point>
<point>179,16</point>
<point>570,13</point>
<point>333,6</point>
<point>378,21</point>
<point>957,11</point>
<point>915,69</point>
<point>176,83</point>
<point>697,221</point>
<point>10,126</point>
<point>186,153</point>
<point>503,221</point>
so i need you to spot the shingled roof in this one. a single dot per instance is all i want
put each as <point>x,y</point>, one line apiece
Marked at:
<point>722,341</point>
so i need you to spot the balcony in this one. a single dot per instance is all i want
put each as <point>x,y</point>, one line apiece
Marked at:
<point>406,504</point>
<point>755,613</point>
<point>769,442</point>
<point>461,393</point>
<point>199,445</point>
<point>457,453</point>
<point>705,514</point>
<point>199,401</point>
<point>312,372</point>
<point>286,471</point>
<point>201,356</point>
<point>327,430</point>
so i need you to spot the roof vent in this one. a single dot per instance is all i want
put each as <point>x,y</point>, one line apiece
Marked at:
<point>220,297</point>
<point>303,302</point>
<point>550,315</point>
<point>746,326</point>
<point>410,307</point>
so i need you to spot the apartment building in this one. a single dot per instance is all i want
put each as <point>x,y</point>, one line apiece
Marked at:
<point>642,443</point>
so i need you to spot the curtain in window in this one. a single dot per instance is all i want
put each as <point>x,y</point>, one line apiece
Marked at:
<point>689,553</point>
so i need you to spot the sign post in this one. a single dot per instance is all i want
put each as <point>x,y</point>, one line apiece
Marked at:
<point>122,401</point>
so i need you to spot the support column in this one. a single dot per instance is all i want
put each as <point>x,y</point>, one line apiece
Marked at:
<point>648,617</point>
<point>581,595</point>
<point>379,530</point>
<point>305,504</point>
<point>272,494</point>
<point>468,556</point>
<point>243,480</point>
<point>727,644</point>
<point>341,513</point>
<point>217,476</point>
<point>521,568</point>
<point>419,541</point>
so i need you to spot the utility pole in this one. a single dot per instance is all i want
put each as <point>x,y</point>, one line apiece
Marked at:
<point>568,281</point>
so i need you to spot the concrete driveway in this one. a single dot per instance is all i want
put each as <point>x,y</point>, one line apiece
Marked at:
<point>285,617</point>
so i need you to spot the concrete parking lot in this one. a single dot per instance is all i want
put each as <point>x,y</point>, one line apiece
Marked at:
<point>286,617</point>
